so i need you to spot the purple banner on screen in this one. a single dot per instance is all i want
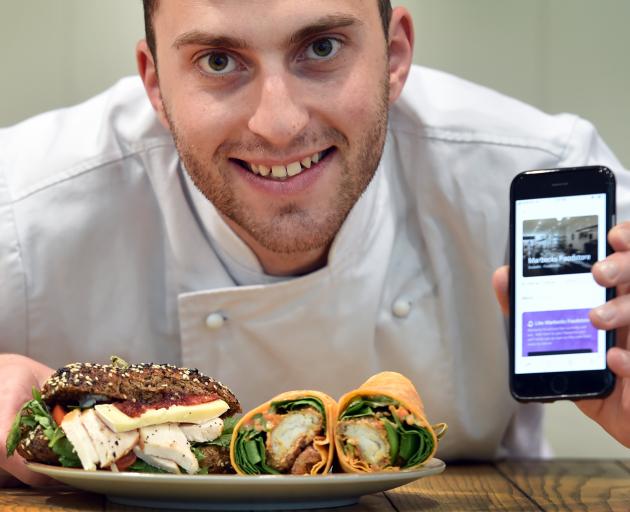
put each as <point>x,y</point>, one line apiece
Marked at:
<point>552,332</point>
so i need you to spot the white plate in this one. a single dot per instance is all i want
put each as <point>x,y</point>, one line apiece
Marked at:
<point>234,492</point>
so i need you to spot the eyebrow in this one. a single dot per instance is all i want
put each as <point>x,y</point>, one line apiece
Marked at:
<point>201,38</point>
<point>329,22</point>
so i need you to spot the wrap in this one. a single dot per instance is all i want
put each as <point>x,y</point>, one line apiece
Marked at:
<point>290,434</point>
<point>382,426</point>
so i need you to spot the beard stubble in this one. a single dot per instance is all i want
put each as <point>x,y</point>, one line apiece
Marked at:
<point>290,228</point>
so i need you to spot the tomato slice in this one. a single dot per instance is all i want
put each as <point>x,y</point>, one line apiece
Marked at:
<point>58,413</point>
<point>125,461</point>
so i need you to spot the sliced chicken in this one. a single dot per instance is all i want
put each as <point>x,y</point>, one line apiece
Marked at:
<point>369,438</point>
<point>202,432</point>
<point>167,441</point>
<point>78,436</point>
<point>167,465</point>
<point>294,432</point>
<point>110,446</point>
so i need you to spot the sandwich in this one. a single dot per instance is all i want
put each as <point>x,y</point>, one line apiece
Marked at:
<point>122,417</point>
<point>381,426</point>
<point>291,434</point>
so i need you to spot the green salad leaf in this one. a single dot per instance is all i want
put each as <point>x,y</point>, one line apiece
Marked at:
<point>35,413</point>
<point>13,439</point>
<point>249,452</point>
<point>366,406</point>
<point>142,467</point>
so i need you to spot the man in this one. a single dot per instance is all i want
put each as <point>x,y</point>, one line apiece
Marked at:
<point>245,226</point>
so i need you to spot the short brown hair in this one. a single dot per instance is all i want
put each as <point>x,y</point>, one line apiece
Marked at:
<point>150,6</point>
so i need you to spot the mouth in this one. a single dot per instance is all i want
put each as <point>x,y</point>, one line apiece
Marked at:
<point>281,172</point>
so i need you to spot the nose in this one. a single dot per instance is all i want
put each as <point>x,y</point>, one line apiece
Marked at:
<point>279,115</point>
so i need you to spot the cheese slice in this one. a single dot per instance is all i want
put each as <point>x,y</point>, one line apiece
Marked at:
<point>118,421</point>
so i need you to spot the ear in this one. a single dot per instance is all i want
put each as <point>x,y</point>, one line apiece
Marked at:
<point>400,50</point>
<point>148,72</point>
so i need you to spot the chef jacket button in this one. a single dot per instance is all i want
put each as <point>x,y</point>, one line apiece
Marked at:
<point>401,308</point>
<point>214,321</point>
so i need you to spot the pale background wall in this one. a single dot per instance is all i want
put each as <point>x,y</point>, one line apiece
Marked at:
<point>560,55</point>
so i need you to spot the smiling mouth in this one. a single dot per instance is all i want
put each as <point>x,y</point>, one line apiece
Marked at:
<point>282,172</point>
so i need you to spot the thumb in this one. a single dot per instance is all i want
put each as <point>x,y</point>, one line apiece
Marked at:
<point>500,280</point>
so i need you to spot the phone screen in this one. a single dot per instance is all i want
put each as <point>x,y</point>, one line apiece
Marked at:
<point>559,238</point>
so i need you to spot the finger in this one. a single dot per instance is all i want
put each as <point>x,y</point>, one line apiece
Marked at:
<point>619,237</point>
<point>613,314</point>
<point>500,280</point>
<point>614,270</point>
<point>18,469</point>
<point>618,361</point>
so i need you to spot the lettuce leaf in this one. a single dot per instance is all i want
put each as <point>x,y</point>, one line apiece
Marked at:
<point>35,413</point>
<point>366,406</point>
<point>250,454</point>
<point>143,467</point>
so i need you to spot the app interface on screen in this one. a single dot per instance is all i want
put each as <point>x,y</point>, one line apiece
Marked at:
<point>559,238</point>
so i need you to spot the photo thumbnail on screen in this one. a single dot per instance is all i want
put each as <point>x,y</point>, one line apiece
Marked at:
<point>566,245</point>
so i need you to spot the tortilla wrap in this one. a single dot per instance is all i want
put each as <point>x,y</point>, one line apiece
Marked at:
<point>255,421</point>
<point>402,410</point>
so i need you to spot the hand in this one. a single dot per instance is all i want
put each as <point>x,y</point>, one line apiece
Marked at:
<point>612,412</point>
<point>18,375</point>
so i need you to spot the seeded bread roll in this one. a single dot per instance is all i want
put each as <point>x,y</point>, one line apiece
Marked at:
<point>146,383</point>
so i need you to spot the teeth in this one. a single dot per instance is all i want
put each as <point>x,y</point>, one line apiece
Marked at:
<point>281,171</point>
<point>294,168</point>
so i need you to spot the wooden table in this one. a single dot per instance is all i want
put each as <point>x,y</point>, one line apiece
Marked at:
<point>511,485</point>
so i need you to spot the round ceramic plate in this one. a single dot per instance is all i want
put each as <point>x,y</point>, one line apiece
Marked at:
<point>233,492</point>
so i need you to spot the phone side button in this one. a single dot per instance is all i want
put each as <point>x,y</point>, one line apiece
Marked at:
<point>559,384</point>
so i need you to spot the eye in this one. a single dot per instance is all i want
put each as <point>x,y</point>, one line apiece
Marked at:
<point>217,63</point>
<point>324,48</point>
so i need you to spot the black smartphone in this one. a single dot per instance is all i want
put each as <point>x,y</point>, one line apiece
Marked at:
<point>559,221</point>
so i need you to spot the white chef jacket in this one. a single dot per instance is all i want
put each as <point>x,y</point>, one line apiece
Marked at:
<point>106,248</point>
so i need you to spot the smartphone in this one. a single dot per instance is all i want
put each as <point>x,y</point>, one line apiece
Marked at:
<point>559,221</point>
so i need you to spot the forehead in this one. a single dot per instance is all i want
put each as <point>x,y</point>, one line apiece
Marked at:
<point>268,18</point>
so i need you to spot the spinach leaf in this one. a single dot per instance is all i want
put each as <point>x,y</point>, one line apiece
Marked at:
<point>366,406</point>
<point>415,443</point>
<point>249,452</point>
<point>143,467</point>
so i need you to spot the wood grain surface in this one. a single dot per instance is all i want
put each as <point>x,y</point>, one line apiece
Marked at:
<point>589,485</point>
<point>572,485</point>
<point>462,487</point>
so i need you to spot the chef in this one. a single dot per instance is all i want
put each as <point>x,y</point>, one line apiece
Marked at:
<point>283,201</point>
